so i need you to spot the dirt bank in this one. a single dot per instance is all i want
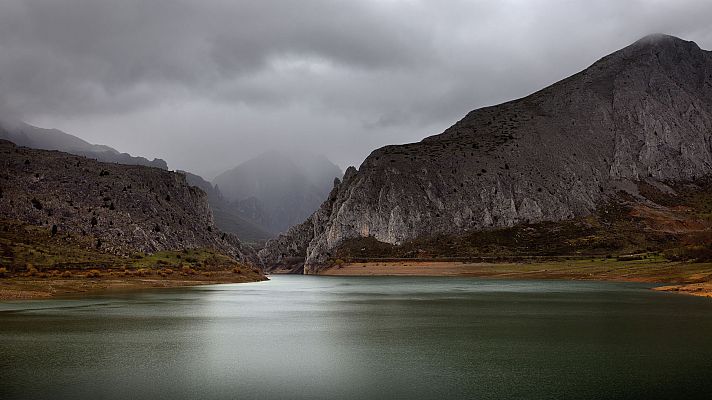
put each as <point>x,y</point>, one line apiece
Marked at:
<point>29,287</point>
<point>681,277</point>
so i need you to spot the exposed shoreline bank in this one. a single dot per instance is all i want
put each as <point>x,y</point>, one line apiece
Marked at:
<point>28,288</point>
<point>681,277</point>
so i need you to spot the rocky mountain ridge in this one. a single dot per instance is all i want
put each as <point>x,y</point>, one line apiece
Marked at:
<point>641,113</point>
<point>124,208</point>
<point>23,134</point>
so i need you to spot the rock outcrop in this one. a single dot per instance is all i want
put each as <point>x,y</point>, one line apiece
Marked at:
<point>641,113</point>
<point>125,208</point>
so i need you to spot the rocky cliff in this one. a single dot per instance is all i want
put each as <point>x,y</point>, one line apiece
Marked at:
<point>641,113</point>
<point>123,208</point>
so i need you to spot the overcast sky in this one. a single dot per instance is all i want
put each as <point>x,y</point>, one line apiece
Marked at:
<point>206,84</point>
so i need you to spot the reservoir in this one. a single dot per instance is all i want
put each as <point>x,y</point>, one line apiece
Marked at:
<point>311,337</point>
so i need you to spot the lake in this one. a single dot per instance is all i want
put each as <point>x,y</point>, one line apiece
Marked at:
<point>306,337</point>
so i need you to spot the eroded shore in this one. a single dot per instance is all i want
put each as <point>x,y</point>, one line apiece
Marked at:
<point>30,287</point>
<point>682,277</point>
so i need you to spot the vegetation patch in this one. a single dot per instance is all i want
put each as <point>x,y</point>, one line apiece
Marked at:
<point>37,252</point>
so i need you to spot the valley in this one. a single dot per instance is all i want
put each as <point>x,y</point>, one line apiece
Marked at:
<point>357,200</point>
<point>561,184</point>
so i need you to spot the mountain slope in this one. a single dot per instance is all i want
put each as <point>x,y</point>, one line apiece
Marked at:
<point>286,190</point>
<point>23,134</point>
<point>119,209</point>
<point>243,218</point>
<point>641,113</point>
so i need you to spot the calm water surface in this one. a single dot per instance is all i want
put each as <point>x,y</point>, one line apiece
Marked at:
<point>299,337</point>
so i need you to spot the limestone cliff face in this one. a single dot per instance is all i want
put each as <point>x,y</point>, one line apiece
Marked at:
<point>644,112</point>
<point>125,208</point>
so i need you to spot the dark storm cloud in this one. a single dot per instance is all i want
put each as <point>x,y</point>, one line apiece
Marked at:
<point>205,84</point>
<point>85,56</point>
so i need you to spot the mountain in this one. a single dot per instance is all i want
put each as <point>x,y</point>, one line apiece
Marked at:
<point>119,209</point>
<point>279,190</point>
<point>640,117</point>
<point>27,135</point>
<point>243,218</point>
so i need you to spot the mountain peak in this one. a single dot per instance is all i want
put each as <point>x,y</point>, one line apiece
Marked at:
<point>661,40</point>
<point>637,114</point>
<point>655,38</point>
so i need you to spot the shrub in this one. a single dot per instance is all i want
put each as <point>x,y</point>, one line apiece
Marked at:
<point>690,253</point>
<point>31,270</point>
<point>36,203</point>
<point>66,274</point>
<point>187,270</point>
<point>629,257</point>
<point>94,273</point>
<point>165,272</point>
<point>143,272</point>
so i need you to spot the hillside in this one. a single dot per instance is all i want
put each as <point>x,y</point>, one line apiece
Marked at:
<point>640,116</point>
<point>117,209</point>
<point>243,218</point>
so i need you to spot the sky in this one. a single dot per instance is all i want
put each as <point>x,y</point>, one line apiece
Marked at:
<point>207,84</point>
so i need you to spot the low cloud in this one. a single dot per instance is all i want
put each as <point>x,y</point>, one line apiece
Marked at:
<point>206,84</point>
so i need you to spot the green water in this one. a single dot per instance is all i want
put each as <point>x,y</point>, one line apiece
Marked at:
<point>299,337</point>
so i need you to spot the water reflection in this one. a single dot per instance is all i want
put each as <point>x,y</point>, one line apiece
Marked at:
<point>328,337</point>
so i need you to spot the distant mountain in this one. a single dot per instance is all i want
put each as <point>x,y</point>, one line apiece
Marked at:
<point>243,218</point>
<point>279,189</point>
<point>638,118</point>
<point>23,134</point>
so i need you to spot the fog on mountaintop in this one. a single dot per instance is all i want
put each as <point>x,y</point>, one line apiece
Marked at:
<point>208,84</point>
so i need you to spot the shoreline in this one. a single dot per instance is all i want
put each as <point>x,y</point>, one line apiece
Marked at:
<point>31,288</point>
<point>678,277</point>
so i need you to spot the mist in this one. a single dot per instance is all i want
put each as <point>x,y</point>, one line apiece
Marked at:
<point>208,84</point>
